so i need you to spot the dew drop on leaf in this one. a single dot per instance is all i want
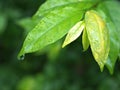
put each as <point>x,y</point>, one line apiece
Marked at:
<point>22,57</point>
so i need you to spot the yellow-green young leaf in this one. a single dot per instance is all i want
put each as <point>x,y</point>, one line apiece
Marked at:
<point>112,18</point>
<point>74,33</point>
<point>113,34</point>
<point>85,41</point>
<point>98,36</point>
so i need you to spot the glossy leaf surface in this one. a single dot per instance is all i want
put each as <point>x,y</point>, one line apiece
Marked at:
<point>74,33</point>
<point>51,5</point>
<point>98,37</point>
<point>109,15</point>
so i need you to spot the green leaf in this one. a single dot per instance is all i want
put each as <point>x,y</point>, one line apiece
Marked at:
<point>114,47</point>
<point>50,29</point>
<point>114,12</point>
<point>54,25</point>
<point>85,41</point>
<point>74,33</point>
<point>50,5</point>
<point>98,37</point>
<point>113,22</point>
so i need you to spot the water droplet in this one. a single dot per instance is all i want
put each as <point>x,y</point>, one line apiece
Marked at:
<point>22,57</point>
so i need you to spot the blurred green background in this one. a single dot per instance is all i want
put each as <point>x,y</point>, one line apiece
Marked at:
<point>51,69</point>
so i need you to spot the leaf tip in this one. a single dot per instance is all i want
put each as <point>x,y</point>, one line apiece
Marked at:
<point>101,68</point>
<point>110,66</point>
<point>21,55</point>
<point>63,46</point>
<point>101,65</point>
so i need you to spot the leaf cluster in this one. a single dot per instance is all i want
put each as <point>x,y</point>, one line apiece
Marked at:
<point>98,20</point>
